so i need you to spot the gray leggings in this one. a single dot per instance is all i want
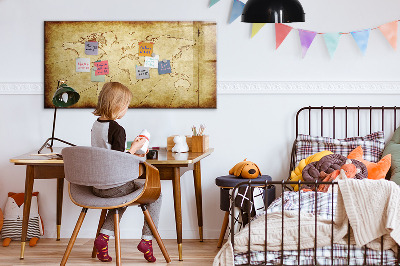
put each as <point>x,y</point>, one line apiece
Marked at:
<point>154,208</point>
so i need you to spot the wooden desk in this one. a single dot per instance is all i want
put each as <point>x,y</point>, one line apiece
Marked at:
<point>169,165</point>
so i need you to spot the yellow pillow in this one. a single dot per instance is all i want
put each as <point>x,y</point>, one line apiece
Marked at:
<point>296,174</point>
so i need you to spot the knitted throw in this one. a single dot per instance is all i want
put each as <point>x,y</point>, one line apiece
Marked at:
<point>373,209</point>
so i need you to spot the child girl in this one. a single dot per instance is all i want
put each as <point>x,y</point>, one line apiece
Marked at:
<point>106,133</point>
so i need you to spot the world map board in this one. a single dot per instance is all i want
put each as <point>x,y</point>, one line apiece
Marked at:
<point>190,46</point>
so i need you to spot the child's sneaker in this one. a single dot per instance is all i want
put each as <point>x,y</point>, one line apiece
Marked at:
<point>101,245</point>
<point>146,247</point>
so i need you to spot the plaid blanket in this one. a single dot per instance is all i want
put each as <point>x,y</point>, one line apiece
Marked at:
<point>322,204</point>
<point>324,257</point>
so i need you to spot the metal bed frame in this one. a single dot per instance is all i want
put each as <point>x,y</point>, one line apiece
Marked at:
<point>284,184</point>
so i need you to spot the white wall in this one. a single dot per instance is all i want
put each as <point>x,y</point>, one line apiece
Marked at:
<point>257,127</point>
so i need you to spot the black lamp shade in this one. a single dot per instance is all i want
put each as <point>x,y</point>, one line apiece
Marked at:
<point>65,96</point>
<point>273,11</point>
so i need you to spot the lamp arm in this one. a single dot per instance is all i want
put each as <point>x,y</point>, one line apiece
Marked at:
<point>54,126</point>
<point>46,143</point>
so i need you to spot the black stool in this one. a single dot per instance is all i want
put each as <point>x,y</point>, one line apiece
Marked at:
<point>226,183</point>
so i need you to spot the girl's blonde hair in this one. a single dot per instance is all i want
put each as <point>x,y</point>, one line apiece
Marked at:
<point>112,99</point>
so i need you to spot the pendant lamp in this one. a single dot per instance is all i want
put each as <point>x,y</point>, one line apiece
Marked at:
<point>272,11</point>
<point>63,97</point>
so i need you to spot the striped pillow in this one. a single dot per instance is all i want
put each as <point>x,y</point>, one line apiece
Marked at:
<point>372,145</point>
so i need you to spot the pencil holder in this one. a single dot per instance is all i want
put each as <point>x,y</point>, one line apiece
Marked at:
<point>200,143</point>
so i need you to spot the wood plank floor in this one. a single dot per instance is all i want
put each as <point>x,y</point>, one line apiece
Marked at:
<point>50,252</point>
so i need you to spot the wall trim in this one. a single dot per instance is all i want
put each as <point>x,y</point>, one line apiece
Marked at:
<point>260,87</point>
<point>309,87</point>
<point>21,88</point>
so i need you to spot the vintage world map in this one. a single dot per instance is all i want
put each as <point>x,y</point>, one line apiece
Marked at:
<point>190,46</point>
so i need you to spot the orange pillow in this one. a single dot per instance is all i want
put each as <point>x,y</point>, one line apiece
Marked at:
<point>375,170</point>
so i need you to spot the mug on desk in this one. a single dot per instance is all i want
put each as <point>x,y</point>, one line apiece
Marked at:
<point>152,155</point>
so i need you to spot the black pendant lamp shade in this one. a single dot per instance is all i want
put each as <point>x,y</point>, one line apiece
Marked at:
<point>273,11</point>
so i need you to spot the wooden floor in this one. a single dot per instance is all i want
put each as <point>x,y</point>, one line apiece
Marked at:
<point>50,252</point>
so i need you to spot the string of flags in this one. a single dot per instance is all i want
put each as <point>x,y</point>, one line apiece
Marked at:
<point>361,37</point>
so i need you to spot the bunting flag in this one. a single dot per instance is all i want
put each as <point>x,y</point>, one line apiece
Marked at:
<point>332,41</point>
<point>281,31</point>
<point>237,9</point>
<point>389,30</point>
<point>361,37</point>
<point>306,39</point>
<point>213,2</point>
<point>255,28</point>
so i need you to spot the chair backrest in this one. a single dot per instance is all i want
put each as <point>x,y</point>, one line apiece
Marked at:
<point>92,166</point>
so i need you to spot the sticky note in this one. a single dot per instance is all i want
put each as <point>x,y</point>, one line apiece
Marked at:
<point>99,78</point>
<point>145,48</point>
<point>151,62</point>
<point>164,67</point>
<point>82,64</point>
<point>142,72</point>
<point>102,67</point>
<point>91,48</point>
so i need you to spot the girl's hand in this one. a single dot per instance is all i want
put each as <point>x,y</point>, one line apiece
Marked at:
<point>142,155</point>
<point>137,144</point>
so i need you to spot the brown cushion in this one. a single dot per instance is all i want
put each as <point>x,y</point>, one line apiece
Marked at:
<point>328,164</point>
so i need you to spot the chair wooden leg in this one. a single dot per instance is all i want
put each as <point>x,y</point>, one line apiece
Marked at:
<point>223,229</point>
<point>73,237</point>
<point>154,230</point>
<point>101,222</point>
<point>117,238</point>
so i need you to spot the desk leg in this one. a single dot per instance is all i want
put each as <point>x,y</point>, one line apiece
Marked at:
<point>27,206</point>
<point>176,183</point>
<point>60,190</point>
<point>199,204</point>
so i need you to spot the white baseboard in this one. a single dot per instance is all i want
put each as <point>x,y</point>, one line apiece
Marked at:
<point>260,87</point>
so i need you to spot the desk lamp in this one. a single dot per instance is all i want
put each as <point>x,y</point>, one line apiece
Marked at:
<point>63,97</point>
<point>272,11</point>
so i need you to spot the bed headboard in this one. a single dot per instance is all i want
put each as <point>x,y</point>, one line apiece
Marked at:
<point>344,121</point>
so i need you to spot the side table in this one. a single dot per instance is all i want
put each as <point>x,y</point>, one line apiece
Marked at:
<point>228,182</point>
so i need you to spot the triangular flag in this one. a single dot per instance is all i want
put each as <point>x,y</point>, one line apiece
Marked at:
<point>255,28</point>
<point>237,9</point>
<point>281,31</point>
<point>361,37</point>
<point>306,39</point>
<point>213,2</point>
<point>390,32</point>
<point>332,41</point>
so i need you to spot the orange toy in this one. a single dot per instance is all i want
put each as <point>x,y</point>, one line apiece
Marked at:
<point>245,169</point>
<point>12,222</point>
<point>375,170</point>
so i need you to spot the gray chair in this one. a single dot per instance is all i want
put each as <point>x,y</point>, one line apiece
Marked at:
<point>85,167</point>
